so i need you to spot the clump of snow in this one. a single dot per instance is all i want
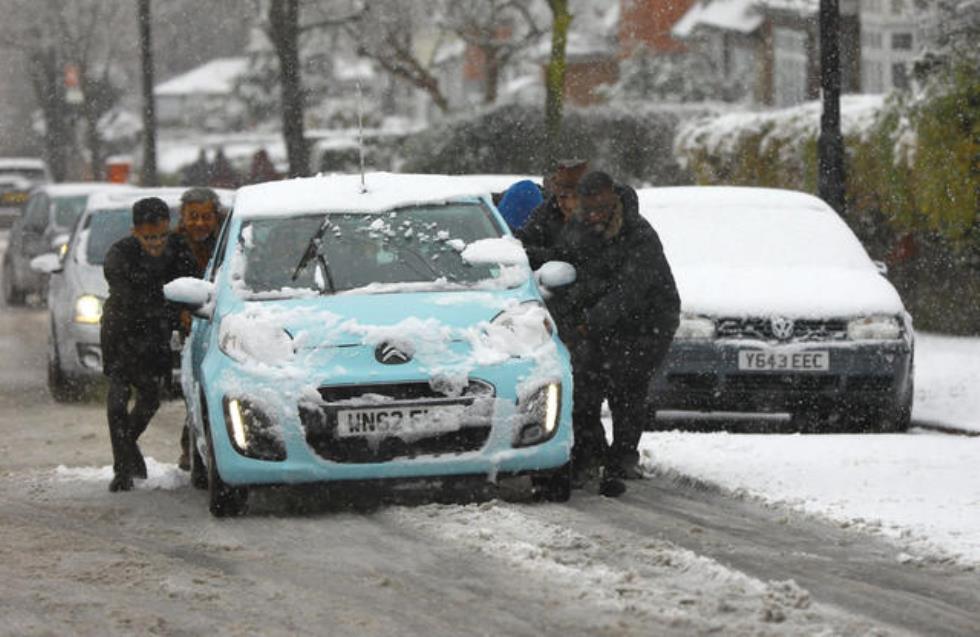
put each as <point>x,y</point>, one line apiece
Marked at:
<point>159,475</point>
<point>502,250</point>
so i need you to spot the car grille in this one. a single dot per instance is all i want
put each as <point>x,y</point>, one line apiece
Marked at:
<point>697,381</point>
<point>761,329</point>
<point>320,424</point>
<point>782,382</point>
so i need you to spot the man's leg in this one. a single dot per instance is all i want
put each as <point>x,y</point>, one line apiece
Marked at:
<point>630,404</point>
<point>147,403</point>
<point>589,450</point>
<point>117,402</point>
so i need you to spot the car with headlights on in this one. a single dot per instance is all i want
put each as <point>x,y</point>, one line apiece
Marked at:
<point>46,220</point>
<point>782,310</point>
<point>77,286</point>
<point>392,332</point>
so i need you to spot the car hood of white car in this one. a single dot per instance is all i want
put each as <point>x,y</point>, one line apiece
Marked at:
<point>796,292</point>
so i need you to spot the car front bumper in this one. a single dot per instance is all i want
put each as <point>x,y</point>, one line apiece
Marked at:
<point>283,400</point>
<point>705,376</point>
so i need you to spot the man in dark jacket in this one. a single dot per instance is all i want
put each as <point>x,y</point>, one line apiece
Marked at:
<point>540,233</point>
<point>136,326</point>
<point>200,220</point>
<point>618,320</point>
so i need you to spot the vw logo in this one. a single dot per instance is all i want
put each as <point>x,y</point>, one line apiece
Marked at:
<point>782,328</point>
<point>391,355</point>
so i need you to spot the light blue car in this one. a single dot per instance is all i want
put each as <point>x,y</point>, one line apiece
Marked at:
<point>392,334</point>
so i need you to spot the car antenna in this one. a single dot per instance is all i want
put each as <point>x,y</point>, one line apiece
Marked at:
<point>360,135</point>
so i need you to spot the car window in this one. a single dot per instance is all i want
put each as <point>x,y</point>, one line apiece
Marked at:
<point>105,227</point>
<point>408,245</point>
<point>36,213</point>
<point>68,209</point>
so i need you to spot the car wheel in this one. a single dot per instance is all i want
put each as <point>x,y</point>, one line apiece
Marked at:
<point>11,294</point>
<point>556,487</point>
<point>224,500</point>
<point>199,472</point>
<point>62,388</point>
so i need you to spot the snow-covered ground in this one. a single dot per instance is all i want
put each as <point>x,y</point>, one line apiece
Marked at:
<point>922,488</point>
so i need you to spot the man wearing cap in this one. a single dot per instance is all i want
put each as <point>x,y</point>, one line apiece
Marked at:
<point>540,233</point>
<point>618,320</point>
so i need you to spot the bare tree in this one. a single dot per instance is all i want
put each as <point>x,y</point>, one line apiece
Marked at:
<point>148,175</point>
<point>498,29</point>
<point>58,36</point>
<point>386,33</point>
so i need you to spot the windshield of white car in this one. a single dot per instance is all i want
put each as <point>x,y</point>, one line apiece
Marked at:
<point>107,227</point>
<point>414,245</point>
<point>68,209</point>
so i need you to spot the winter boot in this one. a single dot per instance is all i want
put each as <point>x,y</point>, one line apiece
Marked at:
<point>120,482</point>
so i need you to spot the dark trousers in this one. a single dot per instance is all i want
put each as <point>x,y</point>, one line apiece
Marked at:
<point>125,425</point>
<point>620,373</point>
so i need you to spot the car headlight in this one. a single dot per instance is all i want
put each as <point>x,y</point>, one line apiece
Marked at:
<point>88,309</point>
<point>538,416</point>
<point>521,329</point>
<point>693,327</point>
<point>874,328</point>
<point>244,339</point>
<point>251,432</point>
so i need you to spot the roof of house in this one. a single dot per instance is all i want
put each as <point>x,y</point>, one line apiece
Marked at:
<point>216,77</point>
<point>741,16</point>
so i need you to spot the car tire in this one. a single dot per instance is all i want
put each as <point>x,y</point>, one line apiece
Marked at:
<point>224,500</point>
<point>12,295</point>
<point>199,472</point>
<point>556,487</point>
<point>61,387</point>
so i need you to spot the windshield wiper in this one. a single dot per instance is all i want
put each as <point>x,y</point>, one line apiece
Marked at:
<point>313,250</point>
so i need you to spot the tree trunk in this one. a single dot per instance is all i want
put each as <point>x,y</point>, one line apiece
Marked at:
<point>491,68</point>
<point>148,174</point>
<point>830,180</point>
<point>284,33</point>
<point>555,78</point>
<point>46,77</point>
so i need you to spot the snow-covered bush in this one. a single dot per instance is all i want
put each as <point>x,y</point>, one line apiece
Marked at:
<point>633,144</point>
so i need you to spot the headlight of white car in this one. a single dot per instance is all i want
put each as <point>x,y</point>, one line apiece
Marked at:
<point>88,309</point>
<point>693,327</point>
<point>874,328</point>
<point>243,339</point>
<point>520,329</point>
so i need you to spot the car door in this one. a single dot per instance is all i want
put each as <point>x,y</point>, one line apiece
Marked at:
<point>35,222</point>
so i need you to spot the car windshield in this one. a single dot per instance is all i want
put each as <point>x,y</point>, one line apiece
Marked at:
<point>415,245</point>
<point>68,209</point>
<point>105,227</point>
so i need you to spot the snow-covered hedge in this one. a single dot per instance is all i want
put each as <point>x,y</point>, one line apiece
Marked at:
<point>633,143</point>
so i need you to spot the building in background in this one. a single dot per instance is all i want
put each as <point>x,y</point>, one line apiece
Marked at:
<point>202,97</point>
<point>889,44</point>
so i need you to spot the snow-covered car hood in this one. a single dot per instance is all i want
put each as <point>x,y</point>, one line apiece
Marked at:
<point>799,292</point>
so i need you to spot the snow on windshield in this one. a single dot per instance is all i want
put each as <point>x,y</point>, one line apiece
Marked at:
<point>415,248</point>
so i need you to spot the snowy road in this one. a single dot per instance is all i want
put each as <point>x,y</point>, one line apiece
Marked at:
<point>673,557</point>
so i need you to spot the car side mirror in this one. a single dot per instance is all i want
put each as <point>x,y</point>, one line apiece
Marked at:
<point>882,267</point>
<point>555,274</point>
<point>197,294</point>
<point>47,263</point>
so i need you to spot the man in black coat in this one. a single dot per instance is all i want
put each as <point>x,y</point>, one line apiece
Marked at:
<point>136,327</point>
<point>618,320</point>
<point>540,234</point>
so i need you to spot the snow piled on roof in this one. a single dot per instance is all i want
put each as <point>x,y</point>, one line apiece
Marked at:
<point>729,15</point>
<point>215,77</point>
<point>71,189</point>
<point>125,197</point>
<point>802,7</point>
<point>342,193</point>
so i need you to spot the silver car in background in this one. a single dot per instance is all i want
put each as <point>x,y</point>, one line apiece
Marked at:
<point>77,288</point>
<point>782,310</point>
<point>48,216</point>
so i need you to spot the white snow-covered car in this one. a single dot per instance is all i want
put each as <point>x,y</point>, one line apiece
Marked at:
<point>77,287</point>
<point>782,311</point>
